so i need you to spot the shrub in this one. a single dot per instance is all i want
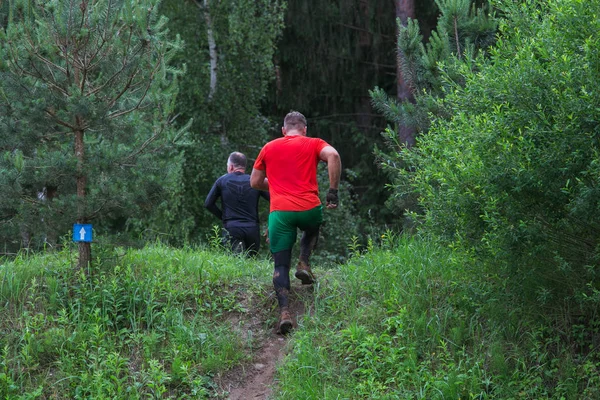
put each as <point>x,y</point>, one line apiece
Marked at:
<point>513,173</point>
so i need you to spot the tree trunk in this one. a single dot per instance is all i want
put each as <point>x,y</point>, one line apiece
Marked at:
<point>49,193</point>
<point>214,57</point>
<point>25,237</point>
<point>85,256</point>
<point>212,46</point>
<point>406,134</point>
<point>85,248</point>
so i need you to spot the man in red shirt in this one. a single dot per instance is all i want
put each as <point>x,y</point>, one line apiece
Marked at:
<point>287,168</point>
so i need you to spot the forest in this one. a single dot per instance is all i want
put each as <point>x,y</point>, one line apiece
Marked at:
<point>463,261</point>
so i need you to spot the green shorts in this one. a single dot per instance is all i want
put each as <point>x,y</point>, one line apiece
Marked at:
<point>284,225</point>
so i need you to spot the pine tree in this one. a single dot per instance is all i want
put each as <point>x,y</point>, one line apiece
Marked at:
<point>405,10</point>
<point>86,93</point>
<point>464,31</point>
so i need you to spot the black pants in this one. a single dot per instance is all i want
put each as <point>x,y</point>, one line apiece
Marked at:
<point>244,239</point>
<point>283,261</point>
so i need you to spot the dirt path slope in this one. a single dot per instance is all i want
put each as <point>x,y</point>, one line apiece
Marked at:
<point>256,379</point>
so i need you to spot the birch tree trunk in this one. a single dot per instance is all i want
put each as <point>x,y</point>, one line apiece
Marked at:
<point>214,56</point>
<point>212,46</point>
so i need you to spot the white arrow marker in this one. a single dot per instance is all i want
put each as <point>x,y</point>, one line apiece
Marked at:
<point>82,234</point>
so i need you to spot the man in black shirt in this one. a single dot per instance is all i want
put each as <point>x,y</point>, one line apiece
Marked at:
<point>239,205</point>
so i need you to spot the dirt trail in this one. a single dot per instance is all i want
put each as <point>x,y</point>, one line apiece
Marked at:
<point>258,377</point>
<point>255,380</point>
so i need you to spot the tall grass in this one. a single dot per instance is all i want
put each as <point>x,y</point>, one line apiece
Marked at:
<point>150,324</point>
<point>405,319</point>
<point>413,321</point>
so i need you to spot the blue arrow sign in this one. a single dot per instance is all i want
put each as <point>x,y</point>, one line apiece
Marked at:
<point>82,232</point>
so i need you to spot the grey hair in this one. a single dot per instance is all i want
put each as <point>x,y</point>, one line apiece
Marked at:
<point>294,120</point>
<point>237,160</point>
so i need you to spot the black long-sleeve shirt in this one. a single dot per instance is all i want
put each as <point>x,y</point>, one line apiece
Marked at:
<point>239,201</point>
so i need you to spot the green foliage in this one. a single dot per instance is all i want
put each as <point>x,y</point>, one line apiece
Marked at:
<point>149,324</point>
<point>464,31</point>
<point>245,34</point>
<point>403,319</point>
<point>514,172</point>
<point>339,224</point>
<point>97,70</point>
<point>409,319</point>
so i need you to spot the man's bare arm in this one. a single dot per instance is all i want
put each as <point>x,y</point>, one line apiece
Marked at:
<point>258,180</point>
<point>334,165</point>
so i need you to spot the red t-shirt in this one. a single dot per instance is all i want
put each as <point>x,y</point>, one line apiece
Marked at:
<point>290,164</point>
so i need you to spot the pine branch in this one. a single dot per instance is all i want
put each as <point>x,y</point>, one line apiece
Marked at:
<point>124,64</point>
<point>143,97</point>
<point>40,76</point>
<point>99,46</point>
<point>106,38</point>
<point>144,145</point>
<point>358,28</point>
<point>23,71</point>
<point>363,62</point>
<point>51,113</point>
<point>95,213</point>
<point>125,88</point>
<point>345,115</point>
<point>48,62</point>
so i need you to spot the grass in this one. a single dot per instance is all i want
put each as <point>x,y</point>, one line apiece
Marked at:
<point>413,321</point>
<point>403,320</point>
<point>151,324</point>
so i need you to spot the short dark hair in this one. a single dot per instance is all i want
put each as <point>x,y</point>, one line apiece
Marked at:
<point>294,120</point>
<point>237,159</point>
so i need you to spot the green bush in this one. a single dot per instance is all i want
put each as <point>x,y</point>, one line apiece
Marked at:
<point>514,172</point>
